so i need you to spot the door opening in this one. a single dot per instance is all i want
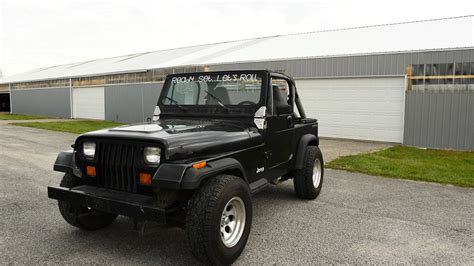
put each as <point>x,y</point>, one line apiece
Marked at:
<point>5,102</point>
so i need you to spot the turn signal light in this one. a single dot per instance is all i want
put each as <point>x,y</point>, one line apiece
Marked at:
<point>199,165</point>
<point>145,179</point>
<point>90,171</point>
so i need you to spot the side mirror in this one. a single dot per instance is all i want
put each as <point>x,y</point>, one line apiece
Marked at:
<point>283,109</point>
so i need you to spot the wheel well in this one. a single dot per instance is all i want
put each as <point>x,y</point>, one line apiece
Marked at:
<point>313,143</point>
<point>234,171</point>
<point>305,140</point>
<point>193,177</point>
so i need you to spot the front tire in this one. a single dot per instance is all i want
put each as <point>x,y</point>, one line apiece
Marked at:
<point>219,219</point>
<point>308,181</point>
<point>82,217</point>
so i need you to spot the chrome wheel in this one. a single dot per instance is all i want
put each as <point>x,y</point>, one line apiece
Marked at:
<point>316,173</point>
<point>232,222</point>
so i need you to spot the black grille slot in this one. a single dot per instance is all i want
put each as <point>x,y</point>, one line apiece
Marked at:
<point>115,166</point>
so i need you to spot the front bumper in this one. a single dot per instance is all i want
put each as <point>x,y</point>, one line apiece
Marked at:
<point>111,201</point>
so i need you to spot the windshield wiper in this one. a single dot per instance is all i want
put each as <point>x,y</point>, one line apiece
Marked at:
<point>217,99</point>
<point>176,103</point>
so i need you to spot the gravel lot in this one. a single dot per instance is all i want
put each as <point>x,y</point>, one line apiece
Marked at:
<point>357,219</point>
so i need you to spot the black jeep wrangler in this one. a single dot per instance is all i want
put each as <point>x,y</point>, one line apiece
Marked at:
<point>215,139</point>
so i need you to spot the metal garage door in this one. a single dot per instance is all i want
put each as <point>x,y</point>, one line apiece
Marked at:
<point>356,108</point>
<point>88,103</point>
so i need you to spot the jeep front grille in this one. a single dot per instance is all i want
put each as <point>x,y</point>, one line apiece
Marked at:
<point>115,166</point>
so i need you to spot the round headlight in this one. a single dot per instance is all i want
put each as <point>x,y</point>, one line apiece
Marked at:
<point>152,155</point>
<point>88,148</point>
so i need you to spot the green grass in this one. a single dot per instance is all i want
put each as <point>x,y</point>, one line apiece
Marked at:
<point>20,117</point>
<point>440,166</point>
<point>77,127</point>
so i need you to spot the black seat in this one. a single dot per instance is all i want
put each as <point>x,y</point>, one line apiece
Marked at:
<point>279,102</point>
<point>222,94</point>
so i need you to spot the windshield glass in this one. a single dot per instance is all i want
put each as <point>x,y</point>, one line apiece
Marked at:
<point>213,89</point>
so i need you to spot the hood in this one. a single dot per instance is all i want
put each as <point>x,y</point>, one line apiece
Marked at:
<point>187,138</point>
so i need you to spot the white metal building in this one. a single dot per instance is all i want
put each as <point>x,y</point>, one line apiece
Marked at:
<point>353,80</point>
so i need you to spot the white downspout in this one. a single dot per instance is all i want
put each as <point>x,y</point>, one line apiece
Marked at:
<point>70,98</point>
<point>11,103</point>
<point>404,107</point>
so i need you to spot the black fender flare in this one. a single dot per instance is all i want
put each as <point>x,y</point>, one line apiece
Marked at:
<point>184,176</point>
<point>305,140</point>
<point>66,163</point>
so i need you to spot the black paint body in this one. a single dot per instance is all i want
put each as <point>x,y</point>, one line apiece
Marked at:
<point>228,140</point>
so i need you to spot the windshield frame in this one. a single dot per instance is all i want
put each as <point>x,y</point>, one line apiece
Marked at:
<point>213,109</point>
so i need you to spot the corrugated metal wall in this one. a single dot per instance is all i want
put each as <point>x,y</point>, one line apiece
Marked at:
<point>52,102</point>
<point>432,119</point>
<point>131,103</point>
<point>363,65</point>
<point>439,119</point>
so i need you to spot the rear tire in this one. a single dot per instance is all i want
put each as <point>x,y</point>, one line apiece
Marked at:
<point>219,219</point>
<point>82,217</point>
<point>308,181</point>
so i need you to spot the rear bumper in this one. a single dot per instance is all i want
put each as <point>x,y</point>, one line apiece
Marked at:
<point>111,201</point>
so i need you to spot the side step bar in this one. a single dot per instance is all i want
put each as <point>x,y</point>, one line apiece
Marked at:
<point>258,185</point>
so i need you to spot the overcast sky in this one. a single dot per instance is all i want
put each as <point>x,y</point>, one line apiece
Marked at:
<point>40,33</point>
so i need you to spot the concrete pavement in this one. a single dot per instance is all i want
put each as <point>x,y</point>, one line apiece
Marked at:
<point>357,219</point>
